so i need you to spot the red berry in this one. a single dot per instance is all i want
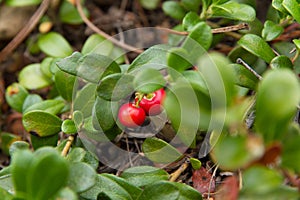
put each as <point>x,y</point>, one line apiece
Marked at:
<point>152,103</point>
<point>131,116</point>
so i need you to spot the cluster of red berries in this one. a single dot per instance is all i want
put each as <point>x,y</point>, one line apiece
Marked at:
<point>132,115</point>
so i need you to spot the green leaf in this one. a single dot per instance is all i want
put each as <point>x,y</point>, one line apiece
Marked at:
<point>144,175</point>
<point>153,57</point>
<point>192,5</point>
<point>46,167</point>
<point>93,67</point>
<point>173,9</point>
<point>292,6</point>
<point>68,127</point>
<point>178,59</point>
<point>271,30</point>
<point>244,77</point>
<point>150,5</point>
<point>69,14</point>
<point>38,142</point>
<point>66,194</point>
<point>64,83</point>
<point>278,4</point>
<point>200,35</point>
<point>253,176</point>
<point>186,192</point>
<point>160,190</point>
<point>160,151</point>
<point>17,145</point>
<point>190,20</point>
<point>55,45</point>
<point>257,46</point>
<point>104,115</point>
<point>15,96</point>
<point>7,139</point>
<point>30,100</point>
<point>115,87</point>
<point>41,123</point>
<point>281,62</point>
<point>278,95</point>
<point>70,63</point>
<point>51,106</point>
<point>148,80</point>
<point>113,188</point>
<point>234,10</point>
<point>196,164</point>
<point>32,78</point>
<point>297,43</point>
<point>82,177</point>
<point>85,99</point>
<point>5,195</point>
<point>22,3</point>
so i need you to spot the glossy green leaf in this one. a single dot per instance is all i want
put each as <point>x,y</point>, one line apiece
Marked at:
<point>150,5</point>
<point>271,30</point>
<point>115,87</point>
<point>234,10</point>
<point>32,78</point>
<point>93,67</point>
<point>200,35</point>
<point>65,83</point>
<point>46,167</point>
<point>160,190</point>
<point>178,59</point>
<point>68,127</point>
<point>114,188</point>
<point>154,57</point>
<point>41,123</point>
<point>22,3</point>
<point>69,14</point>
<point>70,63</point>
<point>257,46</point>
<point>38,142</point>
<point>51,106</point>
<point>190,20</point>
<point>55,45</point>
<point>281,62</point>
<point>15,96</point>
<point>148,80</point>
<point>85,99</point>
<point>244,77</point>
<point>278,4</point>
<point>192,5</point>
<point>160,151</point>
<point>82,177</point>
<point>196,164</point>
<point>255,175</point>
<point>292,6</point>
<point>30,100</point>
<point>144,175</point>
<point>278,95</point>
<point>21,162</point>
<point>173,9</point>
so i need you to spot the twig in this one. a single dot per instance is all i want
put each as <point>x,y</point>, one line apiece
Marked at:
<point>240,61</point>
<point>100,32</point>
<point>211,180</point>
<point>178,172</point>
<point>18,39</point>
<point>68,145</point>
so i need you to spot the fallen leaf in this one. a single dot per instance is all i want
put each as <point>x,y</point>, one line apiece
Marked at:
<point>229,189</point>
<point>203,181</point>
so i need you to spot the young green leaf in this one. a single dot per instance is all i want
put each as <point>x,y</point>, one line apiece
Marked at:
<point>233,10</point>
<point>257,46</point>
<point>160,151</point>
<point>277,98</point>
<point>281,61</point>
<point>55,45</point>
<point>41,123</point>
<point>32,78</point>
<point>173,9</point>
<point>148,80</point>
<point>292,6</point>
<point>65,84</point>
<point>15,96</point>
<point>190,20</point>
<point>278,4</point>
<point>68,127</point>
<point>271,30</point>
<point>144,175</point>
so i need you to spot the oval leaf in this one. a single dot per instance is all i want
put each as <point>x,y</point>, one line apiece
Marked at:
<point>160,190</point>
<point>30,100</point>
<point>41,123</point>
<point>281,62</point>
<point>271,30</point>
<point>68,127</point>
<point>64,83</point>
<point>293,7</point>
<point>51,106</point>
<point>15,96</point>
<point>257,46</point>
<point>173,9</point>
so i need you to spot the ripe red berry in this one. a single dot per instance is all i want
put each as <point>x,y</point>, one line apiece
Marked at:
<point>152,103</point>
<point>131,116</point>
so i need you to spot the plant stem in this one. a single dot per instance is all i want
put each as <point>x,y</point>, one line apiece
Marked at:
<point>178,172</point>
<point>240,61</point>
<point>67,146</point>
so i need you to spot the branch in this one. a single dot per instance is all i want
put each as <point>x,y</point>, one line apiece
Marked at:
<point>67,146</point>
<point>24,32</point>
